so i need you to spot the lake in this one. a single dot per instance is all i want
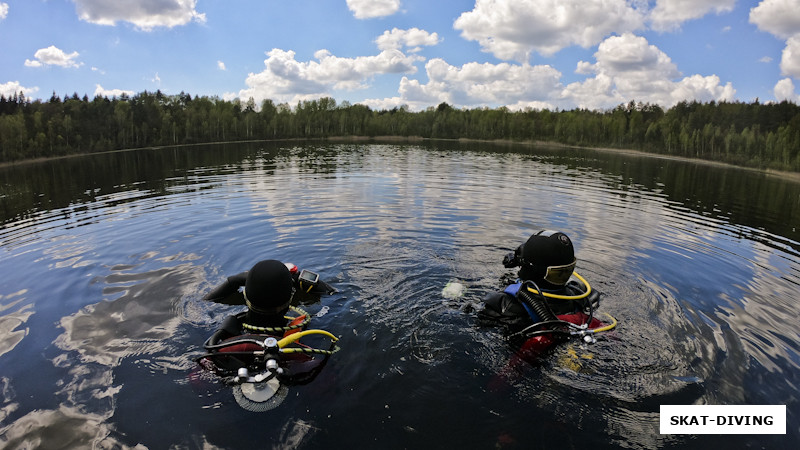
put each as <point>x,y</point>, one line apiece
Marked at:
<point>106,258</point>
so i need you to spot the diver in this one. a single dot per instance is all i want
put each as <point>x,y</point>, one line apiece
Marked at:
<point>264,339</point>
<point>269,288</point>
<point>548,301</point>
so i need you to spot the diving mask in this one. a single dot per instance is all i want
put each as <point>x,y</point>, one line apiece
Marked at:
<point>559,275</point>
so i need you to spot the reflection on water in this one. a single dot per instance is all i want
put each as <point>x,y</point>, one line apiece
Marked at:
<point>12,321</point>
<point>106,257</point>
<point>138,325</point>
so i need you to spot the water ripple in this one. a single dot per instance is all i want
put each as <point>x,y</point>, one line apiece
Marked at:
<point>701,273</point>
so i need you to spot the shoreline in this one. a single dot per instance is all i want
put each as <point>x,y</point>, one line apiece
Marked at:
<point>788,176</point>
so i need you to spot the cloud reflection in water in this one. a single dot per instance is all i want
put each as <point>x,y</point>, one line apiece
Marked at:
<point>138,325</point>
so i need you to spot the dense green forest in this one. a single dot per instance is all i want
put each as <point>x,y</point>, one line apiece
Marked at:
<point>747,134</point>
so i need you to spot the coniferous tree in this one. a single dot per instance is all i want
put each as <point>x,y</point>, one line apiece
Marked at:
<point>754,134</point>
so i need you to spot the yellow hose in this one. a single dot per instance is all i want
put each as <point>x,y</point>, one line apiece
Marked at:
<point>610,326</point>
<point>296,336</point>
<point>568,297</point>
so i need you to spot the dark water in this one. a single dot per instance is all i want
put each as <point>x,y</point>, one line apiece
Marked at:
<point>105,258</point>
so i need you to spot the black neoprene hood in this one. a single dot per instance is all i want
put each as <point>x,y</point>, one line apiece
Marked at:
<point>269,287</point>
<point>542,250</point>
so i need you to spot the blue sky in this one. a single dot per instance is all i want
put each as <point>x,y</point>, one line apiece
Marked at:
<point>384,53</point>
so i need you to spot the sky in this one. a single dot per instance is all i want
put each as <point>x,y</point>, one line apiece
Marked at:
<point>564,54</point>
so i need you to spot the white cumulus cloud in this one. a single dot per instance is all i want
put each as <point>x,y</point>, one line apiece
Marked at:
<point>3,10</point>
<point>101,92</point>
<point>475,84</point>
<point>413,39</point>
<point>368,9</point>
<point>790,58</point>
<point>284,79</point>
<point>670,14</point>
<point>13,87</point>
<point>512,29</point>
<point>778,17</point>
<point>221,65</point>
<point>781,18</point>
<point>53,56</point>
<point>629,68</point>
<point>145,15</point>
<point>784,90</point>
<point>594,93</point>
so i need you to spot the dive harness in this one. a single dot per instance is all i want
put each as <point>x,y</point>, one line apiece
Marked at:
<point>534,300</point>
<point>269,349</point>
<point>255,364</point>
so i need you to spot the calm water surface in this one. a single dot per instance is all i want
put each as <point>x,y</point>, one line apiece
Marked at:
<point>105,259</point>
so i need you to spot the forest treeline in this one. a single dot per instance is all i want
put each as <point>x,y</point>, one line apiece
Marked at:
<point>746,134</point>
